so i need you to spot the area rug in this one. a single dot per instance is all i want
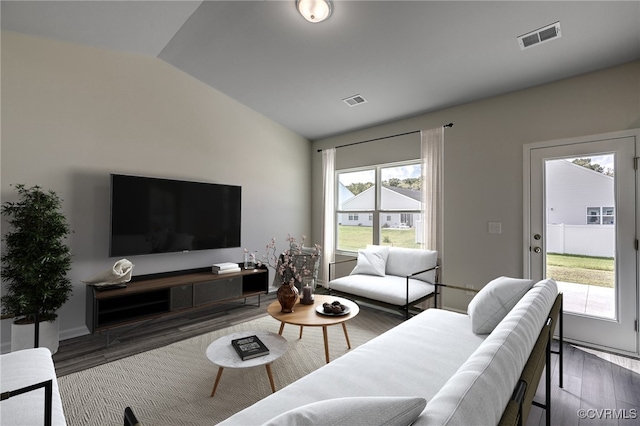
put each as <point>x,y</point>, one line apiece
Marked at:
<point>172,385</point>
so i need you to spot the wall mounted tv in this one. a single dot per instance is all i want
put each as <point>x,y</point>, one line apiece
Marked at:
<point>152,215</point>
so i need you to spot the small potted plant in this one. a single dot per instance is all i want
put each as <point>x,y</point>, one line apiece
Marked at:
<point>35,263</point>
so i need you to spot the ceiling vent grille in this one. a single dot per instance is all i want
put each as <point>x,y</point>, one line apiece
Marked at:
<point>354,100</point>
<point>542,35</point>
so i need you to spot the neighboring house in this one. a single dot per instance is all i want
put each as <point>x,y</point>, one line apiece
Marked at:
<point>393,199</point>
<point>577,195</point>
<point>580,210</point>
<point>343,194</point>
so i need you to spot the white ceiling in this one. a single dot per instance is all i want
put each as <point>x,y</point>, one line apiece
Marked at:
<point>404,58</point>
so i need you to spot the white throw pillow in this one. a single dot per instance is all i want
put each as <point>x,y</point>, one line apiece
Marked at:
<point>369,411</point>
<point>372,261</point>
<point>494,302</point>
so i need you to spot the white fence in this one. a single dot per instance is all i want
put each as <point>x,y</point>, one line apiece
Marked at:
<point>588,240</point>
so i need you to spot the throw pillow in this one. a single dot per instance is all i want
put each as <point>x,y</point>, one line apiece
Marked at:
<point>370,411</point>
<point>372,261</point>
<point>494,302</point>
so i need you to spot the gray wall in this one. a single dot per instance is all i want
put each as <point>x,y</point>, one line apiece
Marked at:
<point>71,115</point>
<point>483,162</point>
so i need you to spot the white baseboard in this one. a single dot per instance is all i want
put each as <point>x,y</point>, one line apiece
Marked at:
<point>74,332</point>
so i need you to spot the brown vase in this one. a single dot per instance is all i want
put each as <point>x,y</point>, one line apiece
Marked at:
<point>287,296</point>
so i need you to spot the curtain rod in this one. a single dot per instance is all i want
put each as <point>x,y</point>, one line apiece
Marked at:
<point>384,137</point>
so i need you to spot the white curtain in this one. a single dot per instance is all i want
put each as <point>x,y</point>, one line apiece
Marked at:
<point>432,147</point>
<point>328,218</point>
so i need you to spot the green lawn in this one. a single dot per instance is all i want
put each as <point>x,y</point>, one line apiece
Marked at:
<point>598,271</point>
<point>356,237</point>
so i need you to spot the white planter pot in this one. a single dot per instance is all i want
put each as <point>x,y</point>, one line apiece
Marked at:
<point>22,336</point>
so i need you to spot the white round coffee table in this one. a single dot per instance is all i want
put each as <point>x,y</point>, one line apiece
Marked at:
<point>222,354</point>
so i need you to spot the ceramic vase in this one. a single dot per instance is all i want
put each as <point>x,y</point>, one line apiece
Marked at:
<point>287,296</point>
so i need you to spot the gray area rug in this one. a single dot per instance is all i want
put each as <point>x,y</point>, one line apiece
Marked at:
<point>171,385</point>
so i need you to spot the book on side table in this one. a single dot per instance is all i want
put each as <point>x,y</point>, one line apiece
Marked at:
<point>249,347</point>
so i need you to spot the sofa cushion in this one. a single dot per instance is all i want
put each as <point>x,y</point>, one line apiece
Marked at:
<point>372,261</point>
<point>481,388</point>
<point>494,302</point>
<point>388,289</point>
<point>368,411</point>
<point>406,261</point>
<point>424,352</point>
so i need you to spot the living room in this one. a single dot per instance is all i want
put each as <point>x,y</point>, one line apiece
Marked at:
<point>73,114</point>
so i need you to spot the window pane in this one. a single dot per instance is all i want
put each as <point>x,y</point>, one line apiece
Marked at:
<point>400,230</point>
<point>356,190</point>
<point>593,215</point>
<point>400,187</point>
<point>353,237</point>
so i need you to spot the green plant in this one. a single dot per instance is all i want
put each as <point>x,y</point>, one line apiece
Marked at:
<point>36,259</point>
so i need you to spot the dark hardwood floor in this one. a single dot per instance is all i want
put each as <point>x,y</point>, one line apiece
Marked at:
<point>89,351</point>
<point>605,386</point>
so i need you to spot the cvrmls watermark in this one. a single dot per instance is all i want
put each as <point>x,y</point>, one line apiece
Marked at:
<point>608,413</point>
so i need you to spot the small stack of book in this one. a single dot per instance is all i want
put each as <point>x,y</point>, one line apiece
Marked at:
<point>249,347</point>
<point>225,268</point>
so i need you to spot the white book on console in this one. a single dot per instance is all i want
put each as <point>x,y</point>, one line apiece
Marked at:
<point>224,266</point>
<point>227,271</point>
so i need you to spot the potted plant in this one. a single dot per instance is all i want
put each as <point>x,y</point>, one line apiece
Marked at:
<point>35,263</point>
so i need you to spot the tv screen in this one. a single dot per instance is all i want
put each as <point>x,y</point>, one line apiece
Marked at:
<point>151,215</point>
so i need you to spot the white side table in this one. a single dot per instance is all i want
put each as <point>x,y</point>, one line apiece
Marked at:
<point>222,354</point>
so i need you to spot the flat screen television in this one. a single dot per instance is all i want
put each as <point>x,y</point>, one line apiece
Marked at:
<point>152,215</point>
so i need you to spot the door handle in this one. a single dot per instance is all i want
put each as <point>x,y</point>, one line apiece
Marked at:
<point>537,249</point>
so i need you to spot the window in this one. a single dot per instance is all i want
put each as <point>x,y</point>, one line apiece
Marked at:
<point>388,196</point>
<point>600,215</point>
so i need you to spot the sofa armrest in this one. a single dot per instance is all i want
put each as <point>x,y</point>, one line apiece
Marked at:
<point>338,262</point>
<point>435,268</point>
<point>439,285</point>
<point>48,397</point>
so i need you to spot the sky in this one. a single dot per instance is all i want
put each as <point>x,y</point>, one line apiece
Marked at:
<point>605,161</point>
<point>401,172</point>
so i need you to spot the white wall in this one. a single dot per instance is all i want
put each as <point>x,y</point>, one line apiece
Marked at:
<point>483,162</point>
<point>71,115</point>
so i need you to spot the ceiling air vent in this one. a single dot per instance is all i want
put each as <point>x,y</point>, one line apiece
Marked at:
<point>542,35</point>
<point>354,100</point>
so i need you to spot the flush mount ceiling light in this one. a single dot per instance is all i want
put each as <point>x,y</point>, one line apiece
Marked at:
<point>314,11</point>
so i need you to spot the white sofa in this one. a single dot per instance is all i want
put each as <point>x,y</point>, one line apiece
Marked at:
<point>393,276</point>
<point>464,367</point>
<point>22,369</point>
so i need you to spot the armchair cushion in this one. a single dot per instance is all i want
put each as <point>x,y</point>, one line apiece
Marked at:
<point>406,261</point>
<point>494,302</point>
<point>372,261</point>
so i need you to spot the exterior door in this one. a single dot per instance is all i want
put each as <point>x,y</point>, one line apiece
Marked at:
<point>581,231</point>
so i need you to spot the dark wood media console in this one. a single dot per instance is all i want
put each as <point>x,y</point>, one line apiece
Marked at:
<point>151,296</point>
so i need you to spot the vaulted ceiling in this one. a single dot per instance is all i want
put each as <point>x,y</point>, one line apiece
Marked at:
<point>404,58</point>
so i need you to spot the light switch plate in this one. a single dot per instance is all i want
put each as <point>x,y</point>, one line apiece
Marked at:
<point>495,227</point>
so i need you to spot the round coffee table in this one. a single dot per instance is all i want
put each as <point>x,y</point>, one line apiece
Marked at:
<point>222,354</point>
<point>307,316</point>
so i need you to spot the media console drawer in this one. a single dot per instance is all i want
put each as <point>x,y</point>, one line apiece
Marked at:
<point>212,291</point>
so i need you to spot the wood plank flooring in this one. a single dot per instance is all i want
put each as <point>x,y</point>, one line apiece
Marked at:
<point>599,389</point>
<point>606,385</point>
